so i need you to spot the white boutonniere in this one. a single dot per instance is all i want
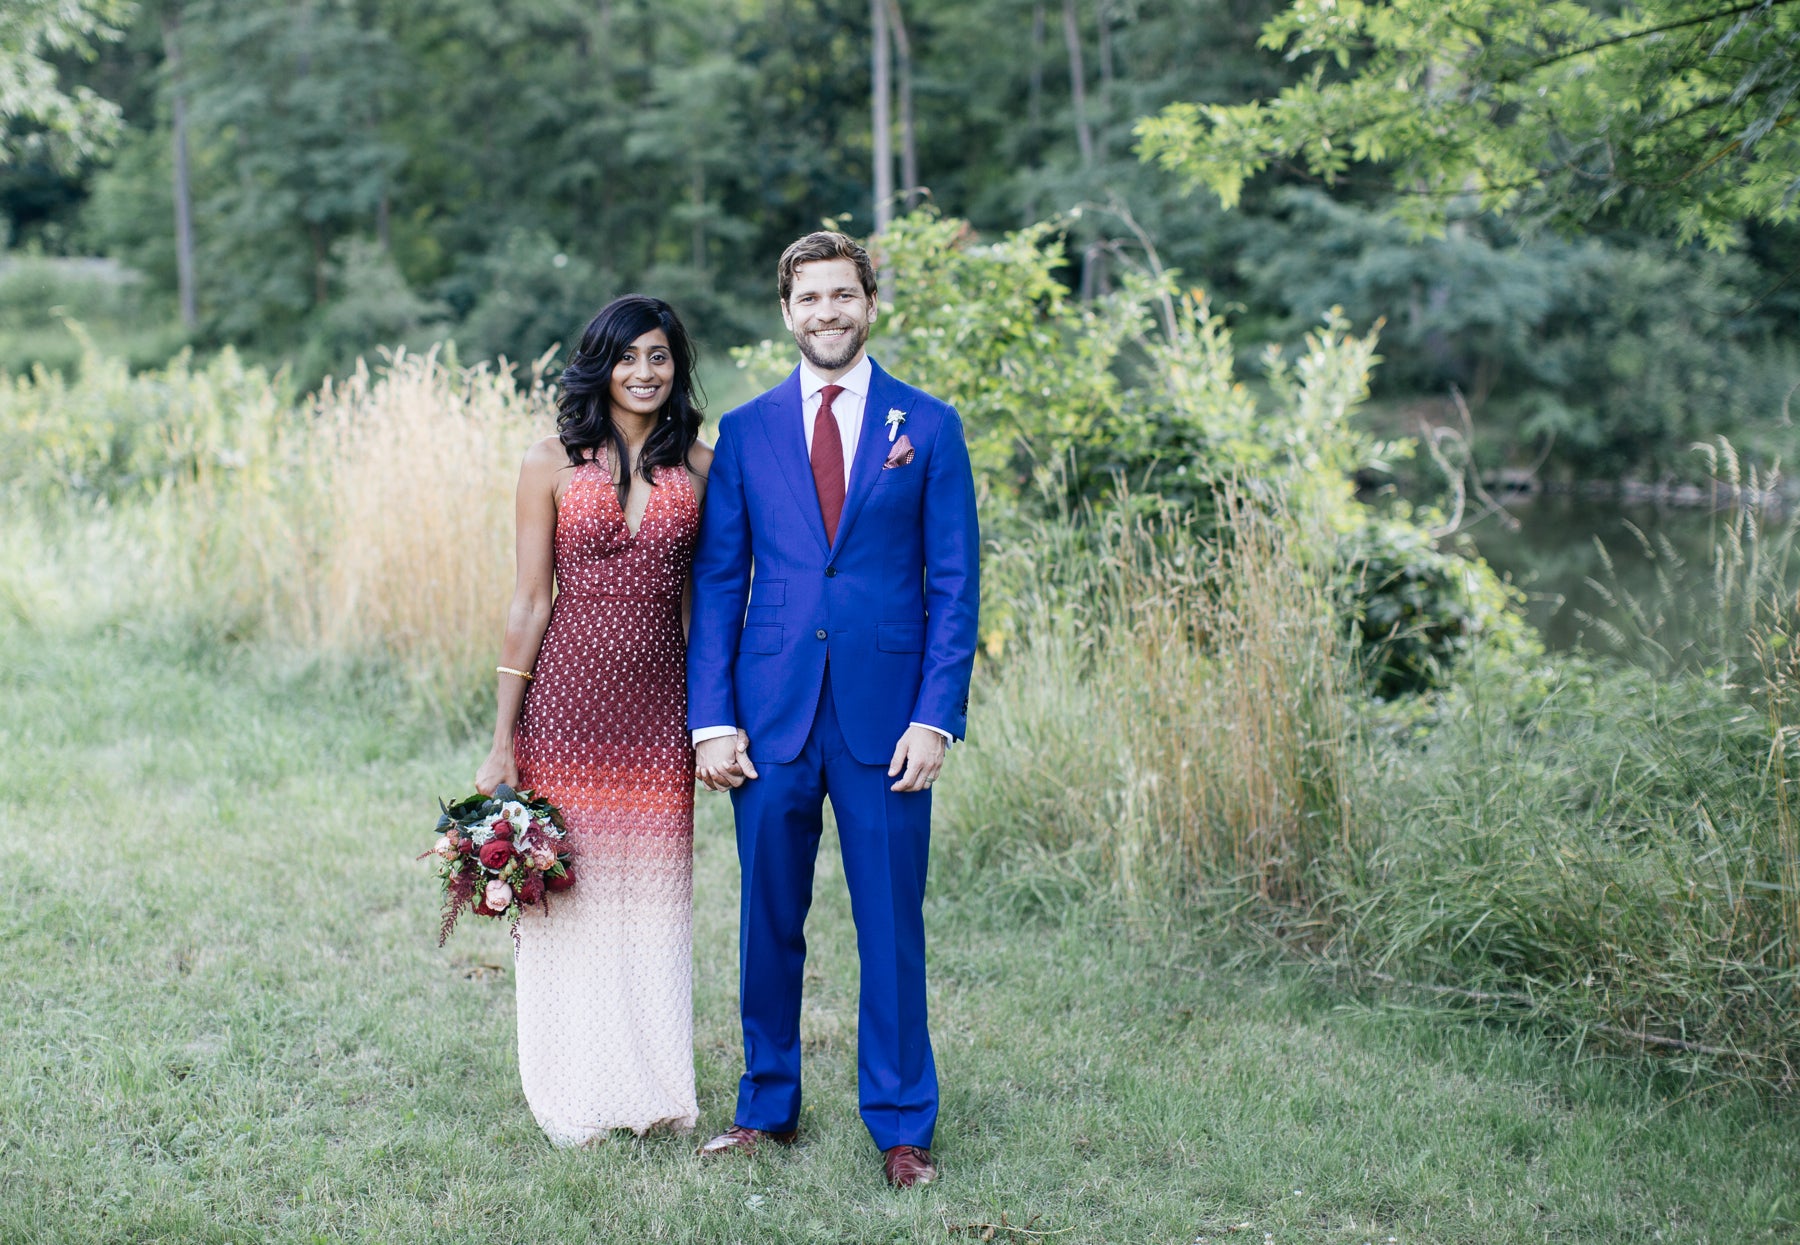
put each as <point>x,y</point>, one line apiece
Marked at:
<point>895,418</point>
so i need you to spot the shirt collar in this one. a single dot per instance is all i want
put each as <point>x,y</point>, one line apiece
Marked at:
<point>856,380</point>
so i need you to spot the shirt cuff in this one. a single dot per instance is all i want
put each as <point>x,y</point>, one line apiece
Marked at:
<point>949,739</point>
<point>712,732</point>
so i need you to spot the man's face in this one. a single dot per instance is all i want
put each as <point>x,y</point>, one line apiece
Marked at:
<point>828,314</point>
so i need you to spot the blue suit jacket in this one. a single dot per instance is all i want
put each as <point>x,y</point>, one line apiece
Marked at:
<point>893,602</point>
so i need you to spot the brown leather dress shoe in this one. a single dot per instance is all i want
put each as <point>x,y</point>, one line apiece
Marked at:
<point>906,1166</point>
<point>738,1140</point>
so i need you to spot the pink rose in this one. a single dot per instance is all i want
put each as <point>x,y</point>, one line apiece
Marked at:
<point>446,848</point>
<point>543,856</point>
<point>495,853</point>
<point>498,895</point>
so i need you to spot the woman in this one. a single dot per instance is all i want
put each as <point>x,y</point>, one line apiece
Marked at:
<point>593,716</point>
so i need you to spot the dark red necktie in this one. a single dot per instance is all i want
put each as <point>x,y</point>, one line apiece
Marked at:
<point>828,461</point>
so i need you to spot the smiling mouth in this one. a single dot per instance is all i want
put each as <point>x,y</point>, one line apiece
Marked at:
<point>643,391</point>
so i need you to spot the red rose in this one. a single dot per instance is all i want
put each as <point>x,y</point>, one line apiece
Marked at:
<point>531,889</point>
<point>503,830</point>
<point>562,883</point>
<point>496,853</point>
<point>465,845</point>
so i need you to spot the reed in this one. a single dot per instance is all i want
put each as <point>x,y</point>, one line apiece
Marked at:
<point>372,523</point>
<point>1171,718</point>
<point>410,549</point>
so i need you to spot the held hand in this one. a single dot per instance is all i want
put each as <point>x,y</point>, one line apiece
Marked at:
<point>920,753</point>
<point>500,767</point>
<point>723,763</point>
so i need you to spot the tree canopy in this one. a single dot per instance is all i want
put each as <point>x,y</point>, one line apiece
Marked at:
<point>1672,112</point>
<point>38,114</point>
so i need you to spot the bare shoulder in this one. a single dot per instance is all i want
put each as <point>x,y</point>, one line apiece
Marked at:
<point>700,458</point>
<point>546,452</point>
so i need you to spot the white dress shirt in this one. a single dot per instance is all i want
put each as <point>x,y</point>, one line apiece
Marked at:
<point>848,407</point>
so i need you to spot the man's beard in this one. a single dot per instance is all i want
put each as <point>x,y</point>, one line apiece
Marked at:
<point>846,348</point>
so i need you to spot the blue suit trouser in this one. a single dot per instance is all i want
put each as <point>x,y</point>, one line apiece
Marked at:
<point>885,838</point>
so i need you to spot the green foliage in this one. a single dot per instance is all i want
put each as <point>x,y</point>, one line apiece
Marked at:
<point>112,436</point>
<point>1133,393</point>
<point>989,327</point>
<point>38,114</point>
<point>1416,613</point>
<point>1603,849</point>
<point>371,303</point>
<point>533,295</point>
<point>1615,356</point>
<point>107,303</point>
<point>1679,111</point>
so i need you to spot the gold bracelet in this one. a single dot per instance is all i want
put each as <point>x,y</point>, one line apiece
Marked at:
<point>523,674</point>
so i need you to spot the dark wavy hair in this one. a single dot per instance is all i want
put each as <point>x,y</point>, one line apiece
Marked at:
<point>584,419</point>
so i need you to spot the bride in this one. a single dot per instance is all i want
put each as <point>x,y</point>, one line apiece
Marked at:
<point>592,716</point>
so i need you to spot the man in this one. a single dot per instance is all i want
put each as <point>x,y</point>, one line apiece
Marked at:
<point>835,594</point>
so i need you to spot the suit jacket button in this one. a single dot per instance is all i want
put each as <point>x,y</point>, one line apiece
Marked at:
<point>830,571</point>
<point>820,633</point>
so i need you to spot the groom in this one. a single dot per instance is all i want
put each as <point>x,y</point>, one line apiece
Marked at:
<point>835,592</point>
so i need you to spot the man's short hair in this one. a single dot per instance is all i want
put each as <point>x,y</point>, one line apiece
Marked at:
<point>824,244</point>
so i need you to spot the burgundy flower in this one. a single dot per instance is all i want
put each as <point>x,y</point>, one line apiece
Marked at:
<point>495,853</point>
<point>503,830</point>
<point>531,889</point>
<point>564,882</point>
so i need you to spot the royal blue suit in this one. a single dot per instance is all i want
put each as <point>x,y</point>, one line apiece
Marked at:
<point>824,653</point>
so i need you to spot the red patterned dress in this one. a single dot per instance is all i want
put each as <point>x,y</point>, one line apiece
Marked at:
<point>605,975</point>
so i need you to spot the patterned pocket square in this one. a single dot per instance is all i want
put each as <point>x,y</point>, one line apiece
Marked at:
<point>899,454</point>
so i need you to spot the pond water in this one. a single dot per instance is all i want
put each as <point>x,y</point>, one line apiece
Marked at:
<point>1553,553</point>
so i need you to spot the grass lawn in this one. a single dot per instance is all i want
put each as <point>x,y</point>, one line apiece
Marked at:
<point>223,1018</point>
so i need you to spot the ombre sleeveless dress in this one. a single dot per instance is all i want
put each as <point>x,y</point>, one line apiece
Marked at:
<point>605,973</point>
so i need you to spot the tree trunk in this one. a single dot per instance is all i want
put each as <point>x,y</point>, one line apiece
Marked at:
<point>1034,107</point>
<point>1106,74</point>
<point>881,113</point>
<point>909,144</point>
<point>184,204</point>
<point>1084,134</point>
<point>697,193</point>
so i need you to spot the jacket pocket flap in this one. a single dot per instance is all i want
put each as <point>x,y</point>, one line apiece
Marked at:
<point>900,637</point>
<point>768,592</point>
<point>760,640</point>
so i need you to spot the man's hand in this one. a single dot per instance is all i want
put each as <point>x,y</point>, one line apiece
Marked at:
<point>920,753</point>
<point>724,763</point>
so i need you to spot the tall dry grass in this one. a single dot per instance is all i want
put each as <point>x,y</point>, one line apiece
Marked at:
<point>1171,721</point>
<point>377,523</point>
<point>372,522</point>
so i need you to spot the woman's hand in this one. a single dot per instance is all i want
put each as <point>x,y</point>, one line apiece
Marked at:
<point>500,767</point>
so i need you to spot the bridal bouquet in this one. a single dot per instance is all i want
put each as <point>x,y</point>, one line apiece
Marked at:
<point>499,854</point>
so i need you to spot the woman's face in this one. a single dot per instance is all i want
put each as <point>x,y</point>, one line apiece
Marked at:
<point>644,377</point>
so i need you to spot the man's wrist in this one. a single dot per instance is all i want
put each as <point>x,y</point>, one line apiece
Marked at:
<point>705,733</point>
<point>936,730</point>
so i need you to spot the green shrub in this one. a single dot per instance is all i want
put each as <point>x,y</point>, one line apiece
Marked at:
<point>1415,612</point>
<point>107,303</point>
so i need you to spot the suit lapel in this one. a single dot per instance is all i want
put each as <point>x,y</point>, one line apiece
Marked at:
<point>871,447</point>
<point>782,424</point>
